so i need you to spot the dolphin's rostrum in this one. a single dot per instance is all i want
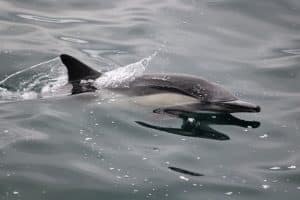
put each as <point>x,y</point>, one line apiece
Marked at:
<point>176,91</point>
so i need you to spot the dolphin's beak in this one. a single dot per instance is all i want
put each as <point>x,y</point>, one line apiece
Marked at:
<point>240,106</point>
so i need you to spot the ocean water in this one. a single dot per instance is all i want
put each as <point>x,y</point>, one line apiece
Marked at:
<point>101,146</point>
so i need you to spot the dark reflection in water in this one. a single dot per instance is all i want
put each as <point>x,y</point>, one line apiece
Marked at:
<point>184,171</point>
<point>198,124</point>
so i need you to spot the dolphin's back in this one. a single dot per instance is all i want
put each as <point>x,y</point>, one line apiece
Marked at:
<point>196,87</point>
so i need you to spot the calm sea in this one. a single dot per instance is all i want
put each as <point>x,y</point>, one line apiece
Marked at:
<point>95,146</point>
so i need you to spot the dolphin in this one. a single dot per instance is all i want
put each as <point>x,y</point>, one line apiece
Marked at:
<point>166,91</point>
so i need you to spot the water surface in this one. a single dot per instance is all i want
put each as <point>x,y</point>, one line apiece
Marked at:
<point>95,146</point>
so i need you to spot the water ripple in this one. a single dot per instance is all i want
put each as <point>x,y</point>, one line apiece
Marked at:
<point>292,51</point>
<point>73,40</point>
<point>88,146</point>
<point>49,19</point>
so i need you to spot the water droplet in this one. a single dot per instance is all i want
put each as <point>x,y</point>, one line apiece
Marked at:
<point>184,178</point>
<point>292,167</point>
<point>265,186</point>
<point>264,136</point>
<point>275,168</point>
<point>191,120</point>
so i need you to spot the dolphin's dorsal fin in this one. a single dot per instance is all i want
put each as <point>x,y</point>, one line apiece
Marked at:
<point>78,70</point>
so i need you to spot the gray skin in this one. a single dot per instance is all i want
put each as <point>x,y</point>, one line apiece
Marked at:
<point>207,96</point>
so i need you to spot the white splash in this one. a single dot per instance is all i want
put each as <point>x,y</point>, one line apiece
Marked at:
<point>33,82</point>
<point>122,75</point>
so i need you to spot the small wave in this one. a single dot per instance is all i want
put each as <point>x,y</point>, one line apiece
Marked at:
<point>10,134</point>
<point>73,40</point>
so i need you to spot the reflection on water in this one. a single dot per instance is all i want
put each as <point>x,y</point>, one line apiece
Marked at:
<point>199,124</point>
<point>184,171</point>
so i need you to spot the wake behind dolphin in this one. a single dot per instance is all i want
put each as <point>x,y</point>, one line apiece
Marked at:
<point>174,91</point>
<point>50,79</point>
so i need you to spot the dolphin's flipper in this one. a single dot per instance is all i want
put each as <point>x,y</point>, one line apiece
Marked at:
<point>77,70</point>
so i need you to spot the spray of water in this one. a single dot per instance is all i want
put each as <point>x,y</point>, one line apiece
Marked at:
<point>121,76</point>
<point>29,82</point>
<point>46,78</point>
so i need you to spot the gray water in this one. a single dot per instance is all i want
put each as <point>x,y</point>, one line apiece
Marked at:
<point>91,146</point>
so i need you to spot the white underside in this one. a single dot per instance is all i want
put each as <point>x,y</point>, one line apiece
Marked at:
<point>164,99</point>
